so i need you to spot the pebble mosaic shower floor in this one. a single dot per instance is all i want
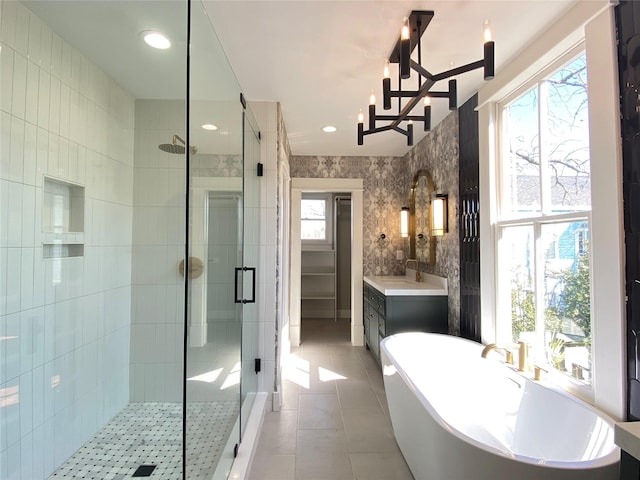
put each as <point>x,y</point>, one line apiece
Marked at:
<point>151,434</point>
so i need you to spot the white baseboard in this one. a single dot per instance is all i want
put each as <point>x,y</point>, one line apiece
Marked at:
<point>276,401</point>
<point>242,463</point>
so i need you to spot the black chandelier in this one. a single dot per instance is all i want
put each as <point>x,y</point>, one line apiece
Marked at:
<point>412,30</point>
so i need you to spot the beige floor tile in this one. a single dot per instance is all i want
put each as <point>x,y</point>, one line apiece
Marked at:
<point>368,431</point>
<point>278,434</point>
<point>334,423</point>
<point>354,371</point>
<point>330,440</point>
<point>383,403</point>
<point>380,466</point>
<point>377,381</point>
<point>329,466</point>
<point>273,467</point>
<point>319,410</point>
<point>290,395</point>
<point>357,394</point>
<point>322,454</point>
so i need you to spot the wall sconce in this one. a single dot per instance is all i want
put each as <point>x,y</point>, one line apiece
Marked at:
<point>404,222</point>
<point>439,214</point>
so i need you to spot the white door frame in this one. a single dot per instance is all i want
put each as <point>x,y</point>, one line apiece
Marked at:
<point>199,244</point>
<point>284,253</point>
<point>327,185</point>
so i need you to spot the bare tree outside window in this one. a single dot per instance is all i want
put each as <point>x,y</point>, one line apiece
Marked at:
<point>547,144</point>
<point>546,173</point>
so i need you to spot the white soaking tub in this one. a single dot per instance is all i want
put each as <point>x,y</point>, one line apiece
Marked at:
<point>458,416</point>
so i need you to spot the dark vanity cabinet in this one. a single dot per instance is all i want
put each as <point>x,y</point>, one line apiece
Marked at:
<point>386,315</point>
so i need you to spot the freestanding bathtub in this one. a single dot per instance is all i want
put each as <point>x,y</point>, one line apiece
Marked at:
<point>458,416</point>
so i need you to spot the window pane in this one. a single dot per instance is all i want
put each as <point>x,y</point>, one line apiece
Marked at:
<point>313,230</point>
<point>313,209</point>
<point>518,264</point>
<point>522,155</point>
<point>567,300</point>
<point>566,139</point>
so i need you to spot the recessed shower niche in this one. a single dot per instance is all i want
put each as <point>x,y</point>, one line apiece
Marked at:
<point>62,219</point>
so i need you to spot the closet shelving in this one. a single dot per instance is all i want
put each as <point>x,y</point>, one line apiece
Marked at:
<point>318,284</point>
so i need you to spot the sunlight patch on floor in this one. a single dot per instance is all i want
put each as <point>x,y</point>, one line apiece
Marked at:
<point>327,375</point>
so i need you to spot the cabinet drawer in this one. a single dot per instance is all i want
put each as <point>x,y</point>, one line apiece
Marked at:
<point>375,299</point>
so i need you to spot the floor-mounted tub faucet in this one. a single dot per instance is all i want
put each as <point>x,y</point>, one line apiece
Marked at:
<point>413,260</point>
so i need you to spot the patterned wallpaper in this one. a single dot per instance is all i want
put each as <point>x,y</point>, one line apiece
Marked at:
<point>387,181</point>
<point>219,165</point>
<point>438,153</point>
<point>384,195</point>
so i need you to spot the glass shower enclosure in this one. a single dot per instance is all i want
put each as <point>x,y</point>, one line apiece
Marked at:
<point>129,227</point>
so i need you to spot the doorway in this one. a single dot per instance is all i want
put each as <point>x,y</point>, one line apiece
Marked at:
<point>325,303</point>
<point>353,187</point>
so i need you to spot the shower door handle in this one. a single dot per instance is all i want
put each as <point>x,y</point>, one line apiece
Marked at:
<point>253,285</point>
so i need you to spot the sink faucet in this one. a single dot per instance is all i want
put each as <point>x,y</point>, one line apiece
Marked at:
<point>413,260</point>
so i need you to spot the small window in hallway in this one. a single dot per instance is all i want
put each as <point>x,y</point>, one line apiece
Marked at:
<point>315,214</point>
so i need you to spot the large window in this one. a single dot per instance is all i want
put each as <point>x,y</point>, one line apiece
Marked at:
<point>544,219</point>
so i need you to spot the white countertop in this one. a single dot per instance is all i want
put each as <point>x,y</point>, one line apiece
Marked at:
<point>627,437</point>
<point>406,285</point>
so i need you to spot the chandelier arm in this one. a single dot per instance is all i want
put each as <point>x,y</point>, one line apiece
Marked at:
<point>413,102</point>
<point>421,70</point>
<point>401,130</point>
<point>403,93</point>
<point>377,130</point>
<point>457,71</point>
<point>433,94</point>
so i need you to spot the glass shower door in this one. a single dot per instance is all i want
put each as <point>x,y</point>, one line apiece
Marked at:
<point>215,249</point>
<point>251,364</point>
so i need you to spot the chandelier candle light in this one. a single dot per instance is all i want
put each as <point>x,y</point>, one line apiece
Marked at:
<point>410,34</point>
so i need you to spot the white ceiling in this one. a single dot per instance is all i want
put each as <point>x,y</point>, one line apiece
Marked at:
<point>318,58</point>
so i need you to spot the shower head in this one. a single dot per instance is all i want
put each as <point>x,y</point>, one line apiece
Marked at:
<point>175,148</point>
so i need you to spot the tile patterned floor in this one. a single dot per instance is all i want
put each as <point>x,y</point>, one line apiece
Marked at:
<point>334,423</point>
<point>151,433</point>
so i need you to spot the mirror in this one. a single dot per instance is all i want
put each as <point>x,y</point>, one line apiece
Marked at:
<point>422,245</point>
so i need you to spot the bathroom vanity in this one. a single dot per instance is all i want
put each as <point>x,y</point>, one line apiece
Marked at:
<point>395,304</point>
<point>627,437</point>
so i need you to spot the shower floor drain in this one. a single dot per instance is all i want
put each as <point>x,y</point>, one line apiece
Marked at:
<point>144,471</point>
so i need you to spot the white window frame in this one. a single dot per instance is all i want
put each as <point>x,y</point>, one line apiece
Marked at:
<point>593,23</point>
<point>506,219</point>
<point>327,243</point>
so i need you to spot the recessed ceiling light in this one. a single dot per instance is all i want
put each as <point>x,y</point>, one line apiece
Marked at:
<point>329,129</point>
<point>209,126</point>
<point>155,39</point>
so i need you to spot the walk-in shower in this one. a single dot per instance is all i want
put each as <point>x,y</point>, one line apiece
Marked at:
<point>114,362</point>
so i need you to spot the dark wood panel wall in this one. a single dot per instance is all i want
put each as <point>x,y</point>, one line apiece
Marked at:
<point>469,227</point>
<point>628,25</point>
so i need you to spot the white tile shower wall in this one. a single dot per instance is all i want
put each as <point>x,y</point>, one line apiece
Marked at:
<point>157,326</point>
<point>64,323</point>
<point>266,114</point>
